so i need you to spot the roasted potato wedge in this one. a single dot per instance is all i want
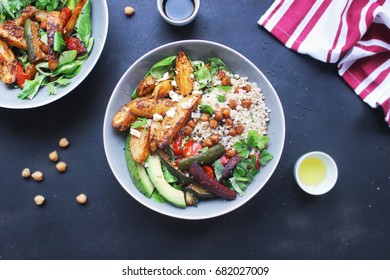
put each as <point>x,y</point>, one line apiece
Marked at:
<point>172,125</point>
<point>8,64</point>
<point>139,146</point>
<point>71,24</point>
<point>155,131</point>
<point>146,86</point>
<point>13,34</point>
<point>123,119</point>
<point>184,74</point>
<point>147,107</point>
<point>162,89</point>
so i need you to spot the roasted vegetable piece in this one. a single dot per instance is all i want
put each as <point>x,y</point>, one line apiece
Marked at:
<point>162,89</point>
<point>172,125</point>
<point>147,107</point>
<point>174,170</point>
<point>184,74</point>
<point>34,52</point>
<point>199,191</point>
<point>155,131</point>
<point>8,64</point>
<point>26,13</point>
<point>55,23</point>
<point>203,158</point>
<point>71,24</point>
<point>191,199</point>
<point>146,86</point>
<point>13,34</point>
<point>211,184</point>
<point>228,169</point>
<point>139,146</point>
<point>123,119</point>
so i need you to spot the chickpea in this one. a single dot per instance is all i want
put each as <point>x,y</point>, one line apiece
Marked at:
<point>207,142</point>
<point>37,176</point>
<point>233,132</point>
<point>236,89</point>
<point>129,11</point>
<point>81,198</point>
<point>229,122</point>
<point>187,130</point>
<point>64,143</point>
<point>246,103</point>
<point>240,129</point>
<point>229,153</point>
<point>204,117</point>
<point>213,124</point>
<point>218,115</point>
<point>61,166</point>
<point>39,200</point>
<point>225,81</point>
<point>232,104</point>
<point>214,138</point>
<point>26,173</point>
<point>226,113</point>
<point>191,123</point>
<point>53,156</point>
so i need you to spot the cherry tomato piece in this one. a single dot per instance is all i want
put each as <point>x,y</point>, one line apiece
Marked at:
<point>209,170</point>
<point>191,148</point>
<point>224,160</point>
<point>177,145</point>
<point>21,75</point>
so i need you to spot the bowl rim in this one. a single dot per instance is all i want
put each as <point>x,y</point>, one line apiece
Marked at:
<point>29,104</point>
<point>330,164</point>
<point>182,215</point>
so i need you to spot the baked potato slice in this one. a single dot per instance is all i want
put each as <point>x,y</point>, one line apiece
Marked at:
<point>172,125</point>
<point>146,86</point>
<point>13,34</point>
<point>154,135</point>
<point>139,146</point>
<point>8,64</point>
<point>184,74</point>
<point>162,89</point>
<point>146,107</point>
<point>123,119</point>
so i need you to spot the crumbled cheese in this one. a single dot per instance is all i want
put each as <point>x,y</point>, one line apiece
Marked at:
<point>192,76</point>
<point>187,104</point>
<point>173,83</point>
<point>157,117</point>
<point>146,165</point>
<point>171,112</point>
<point>135,132</point>
<point>174,96</point>
<point>164,77</point>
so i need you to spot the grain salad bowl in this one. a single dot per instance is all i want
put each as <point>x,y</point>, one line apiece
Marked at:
<point>114,142</point>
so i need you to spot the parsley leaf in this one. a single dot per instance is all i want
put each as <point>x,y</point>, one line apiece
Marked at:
<point>206,109</point>
<point>265,157</point>
<point>140,122</point>
<point>242,148</point>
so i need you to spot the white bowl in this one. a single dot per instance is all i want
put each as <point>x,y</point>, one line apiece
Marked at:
<point>160,6</point>
<point>330,178</point>
<point>114,142</point>
<point>99,18</point>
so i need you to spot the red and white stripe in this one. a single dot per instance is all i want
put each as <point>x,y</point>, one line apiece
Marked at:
<point>354,33</point>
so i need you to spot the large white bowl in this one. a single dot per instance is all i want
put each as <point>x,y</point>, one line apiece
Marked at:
<point>198,50</point>
<point>99,18</point>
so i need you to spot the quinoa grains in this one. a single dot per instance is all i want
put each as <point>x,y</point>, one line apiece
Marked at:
<point>64,142</point>
<point>37,176</point>
<point>26,173</point>
<point>81,198</point>
<point>39,200</point>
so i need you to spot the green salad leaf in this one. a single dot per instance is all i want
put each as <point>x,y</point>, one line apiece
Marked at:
<point>201,73</point>
<point>217,64</point>
<point>160,68</point>
<point>83,24</point>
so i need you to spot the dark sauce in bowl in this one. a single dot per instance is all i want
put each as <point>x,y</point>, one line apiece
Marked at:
<point>178,9</point>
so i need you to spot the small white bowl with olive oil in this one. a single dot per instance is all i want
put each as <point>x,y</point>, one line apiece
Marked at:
<point>316,172</point>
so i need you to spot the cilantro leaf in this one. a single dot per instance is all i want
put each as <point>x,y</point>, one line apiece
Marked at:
<point>265,157</point>
<point>242,148</point>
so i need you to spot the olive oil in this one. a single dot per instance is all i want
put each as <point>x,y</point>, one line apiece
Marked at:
<point>312,171</point>
<point>178,9</point>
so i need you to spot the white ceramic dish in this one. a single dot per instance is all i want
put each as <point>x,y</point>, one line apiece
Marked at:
<point>99,17</point>
<point>330,178</point>
<point>160,7</point>
<point>198,50</point>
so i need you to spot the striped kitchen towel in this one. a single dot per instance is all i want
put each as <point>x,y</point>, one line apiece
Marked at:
<point>353,33</point>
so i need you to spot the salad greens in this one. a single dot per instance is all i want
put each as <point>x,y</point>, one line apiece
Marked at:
<point>70,60</point>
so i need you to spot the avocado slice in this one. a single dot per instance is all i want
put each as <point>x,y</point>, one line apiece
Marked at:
<point>137,172</point>
<point>172,195</point>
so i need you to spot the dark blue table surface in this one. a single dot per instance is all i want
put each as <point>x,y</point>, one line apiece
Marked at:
<point>280,222</point>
